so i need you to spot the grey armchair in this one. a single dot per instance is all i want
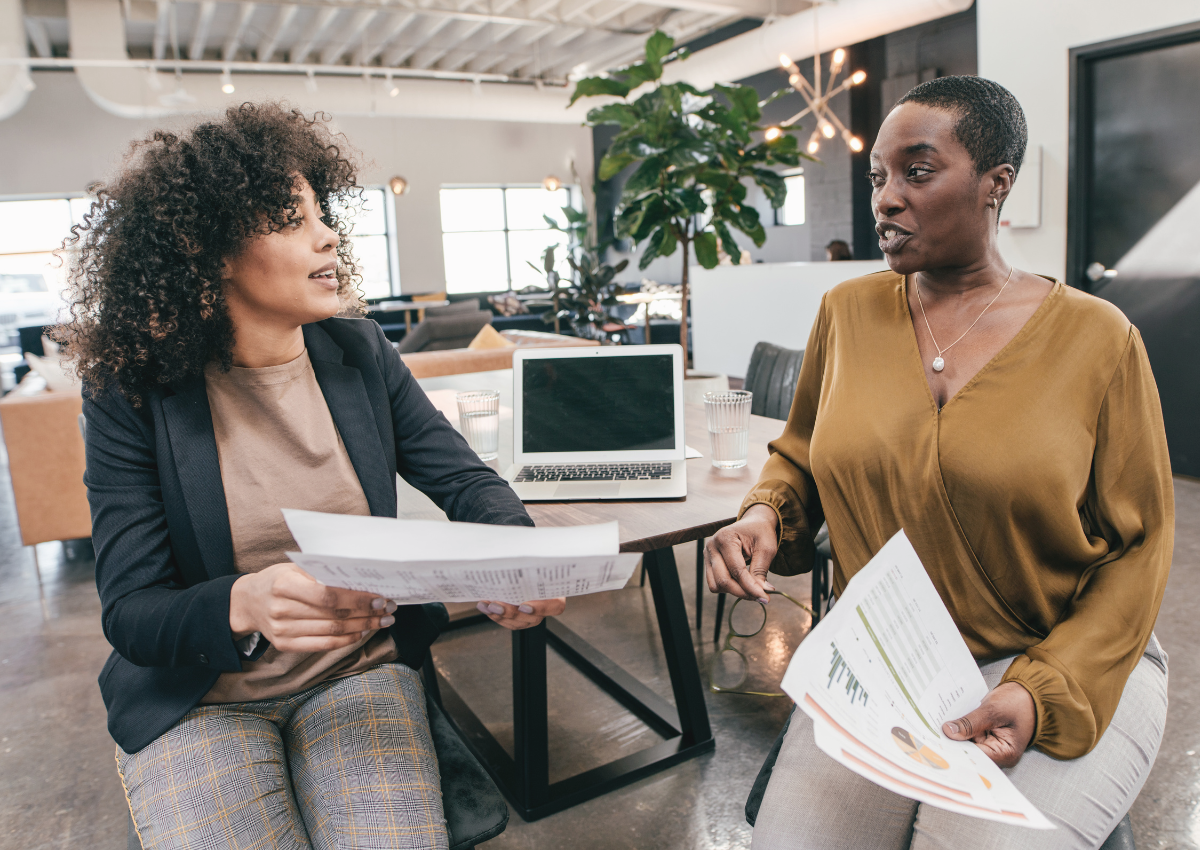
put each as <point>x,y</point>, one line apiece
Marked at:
<point>448,330</point>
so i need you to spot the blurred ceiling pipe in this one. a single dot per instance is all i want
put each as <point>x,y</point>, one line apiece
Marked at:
<point>838,24</point>
<point>128,88</point>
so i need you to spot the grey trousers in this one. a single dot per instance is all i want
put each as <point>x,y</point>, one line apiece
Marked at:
<point>814,802</point>
<point>347,764</point>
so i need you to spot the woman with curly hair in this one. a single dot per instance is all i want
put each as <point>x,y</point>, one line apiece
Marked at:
<point>251,705</point>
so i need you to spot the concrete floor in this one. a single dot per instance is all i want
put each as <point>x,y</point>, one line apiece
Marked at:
<point>59,788</point>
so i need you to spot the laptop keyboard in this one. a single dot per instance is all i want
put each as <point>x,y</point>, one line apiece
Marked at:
<point>653,471</point>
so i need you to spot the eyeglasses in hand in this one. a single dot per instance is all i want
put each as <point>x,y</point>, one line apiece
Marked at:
<point>730,666</point>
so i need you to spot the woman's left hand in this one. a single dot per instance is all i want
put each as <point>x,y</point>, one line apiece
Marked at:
<point>524,615</point>
<point>1002,726</point>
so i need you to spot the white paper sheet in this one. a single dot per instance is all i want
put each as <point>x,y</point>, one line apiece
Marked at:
<point>880,674</point>
<point>413,561</point>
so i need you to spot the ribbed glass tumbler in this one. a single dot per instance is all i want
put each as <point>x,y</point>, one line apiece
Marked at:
<point>479,421</point>
<point>729,427</point>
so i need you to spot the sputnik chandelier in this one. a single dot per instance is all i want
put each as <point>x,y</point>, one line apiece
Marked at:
<point>828,124</point>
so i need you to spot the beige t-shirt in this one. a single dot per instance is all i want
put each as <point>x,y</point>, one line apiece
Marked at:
<point>279,448</point>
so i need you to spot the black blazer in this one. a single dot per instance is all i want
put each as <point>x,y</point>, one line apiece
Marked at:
<point>164,553</point>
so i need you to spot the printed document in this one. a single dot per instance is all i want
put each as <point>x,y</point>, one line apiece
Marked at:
<point>881,673</point>
<point>415,561</point>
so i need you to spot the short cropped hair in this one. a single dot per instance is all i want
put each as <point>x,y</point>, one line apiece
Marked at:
<point>991,124</point>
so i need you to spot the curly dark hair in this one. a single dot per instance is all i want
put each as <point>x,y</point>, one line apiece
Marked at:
<point>991,123</point>
<point>147,306</point>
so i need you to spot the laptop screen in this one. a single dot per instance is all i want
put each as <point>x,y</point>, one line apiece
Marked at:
<point>598,404</point>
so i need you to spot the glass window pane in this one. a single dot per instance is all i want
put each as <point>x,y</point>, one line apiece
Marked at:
<point>526,246</point>
<point>792,211</point>
<point>369,219</point>
<point>371,256</point>
<point>527,206</point>
<point>79,208</point>
<point>472,209</point>
<point>475,262</point>
<point>27,226</point>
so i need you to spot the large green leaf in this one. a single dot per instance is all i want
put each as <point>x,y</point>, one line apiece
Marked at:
<point>613,113</point>
<point>728,243</point>
<point>691,201</point>
<point>612,165</point>
<point>654,214</point>
<point>743,101</point>
<point>662,243</point>
<point>658,46</point>
<point>647,175</point>
<point>706,249</point>
<point>592,86</point>
<point>773,186</point>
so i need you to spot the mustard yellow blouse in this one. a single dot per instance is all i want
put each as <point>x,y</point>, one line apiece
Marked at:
<point>1039,497</point>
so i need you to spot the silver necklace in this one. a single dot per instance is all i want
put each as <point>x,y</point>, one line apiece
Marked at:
<point>939,363</point>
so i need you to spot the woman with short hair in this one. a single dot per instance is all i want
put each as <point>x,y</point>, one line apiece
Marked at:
<point>1011,426</point>
<point>251,705</point>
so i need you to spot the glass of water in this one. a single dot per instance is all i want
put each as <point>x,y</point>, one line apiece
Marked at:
<point>728,414</point>
<point>479,421</point>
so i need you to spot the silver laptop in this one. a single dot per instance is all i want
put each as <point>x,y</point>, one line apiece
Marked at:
<point>598,423</point>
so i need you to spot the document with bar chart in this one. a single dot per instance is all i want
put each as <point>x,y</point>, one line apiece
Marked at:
<point>881,673</point>
<point>415,561</point>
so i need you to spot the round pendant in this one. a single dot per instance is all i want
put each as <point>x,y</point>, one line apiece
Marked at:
<point>938,364</point>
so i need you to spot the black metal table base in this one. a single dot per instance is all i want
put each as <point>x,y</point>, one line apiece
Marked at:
<point>525,779</point>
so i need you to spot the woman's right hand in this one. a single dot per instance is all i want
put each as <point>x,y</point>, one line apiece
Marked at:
<point>753,538</point>
<point>297,613</point>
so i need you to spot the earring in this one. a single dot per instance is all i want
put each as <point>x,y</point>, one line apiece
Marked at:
<point>992,203</point>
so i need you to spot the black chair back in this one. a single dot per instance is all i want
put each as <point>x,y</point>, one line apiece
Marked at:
<point>772,377</point>
<point>440,333</point>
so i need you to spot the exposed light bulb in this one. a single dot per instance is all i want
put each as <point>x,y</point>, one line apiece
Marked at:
<point>398,185</point>
<point>839,56</point>
<point>857,77</point>
<point>551,183</point>
<point>827,130</point>
<point>814,146</point>
<point>311,82</point>
<point>855,143</point>
<point>227,82</point>
<point>772,134</point>
<point>785,60</point>
<point>794,80</point>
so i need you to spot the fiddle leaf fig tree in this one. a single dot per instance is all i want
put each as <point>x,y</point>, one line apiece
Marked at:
<point>695,155</point>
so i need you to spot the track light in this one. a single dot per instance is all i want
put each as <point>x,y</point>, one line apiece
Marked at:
<point>227,82</point>
<point>398,185</point>
<point>552,184</point>
<point>311,82</point>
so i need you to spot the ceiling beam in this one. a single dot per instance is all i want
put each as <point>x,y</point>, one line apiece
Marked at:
<point>435,54</point>
<point>397,24</point>
<point>38,36</point>
<point>204,16</point>
<point>234,40</point>
<point>312,34</point>
<point>269,42</point>
<point>400,52</point>
<point>350,32</point>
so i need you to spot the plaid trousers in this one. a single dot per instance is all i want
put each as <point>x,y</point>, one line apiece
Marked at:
<point>348,763</point>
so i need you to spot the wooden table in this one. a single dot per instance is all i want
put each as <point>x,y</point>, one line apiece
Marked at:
<point>652,527</point>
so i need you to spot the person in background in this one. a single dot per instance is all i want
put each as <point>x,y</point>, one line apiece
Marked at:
<point>251,705</point>
<point>1010,425</point>
<point>838,250</point>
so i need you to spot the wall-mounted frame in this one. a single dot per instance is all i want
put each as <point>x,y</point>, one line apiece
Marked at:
<point>1081,153</point>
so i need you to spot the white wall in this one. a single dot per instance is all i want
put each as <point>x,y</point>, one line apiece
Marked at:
<point>61,141</point>
<point>1023,45</point>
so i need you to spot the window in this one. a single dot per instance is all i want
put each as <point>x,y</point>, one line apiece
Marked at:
<point>32,277</point>
<point>372,230</point>
<point>490,235</point>
<point>792,211</point>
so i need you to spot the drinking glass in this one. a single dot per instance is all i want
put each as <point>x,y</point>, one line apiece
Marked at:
<point>728,414</point>
<point>479,421</point>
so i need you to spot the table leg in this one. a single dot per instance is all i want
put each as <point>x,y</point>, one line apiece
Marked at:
<point>531,735</point>
<point>677,645</point>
